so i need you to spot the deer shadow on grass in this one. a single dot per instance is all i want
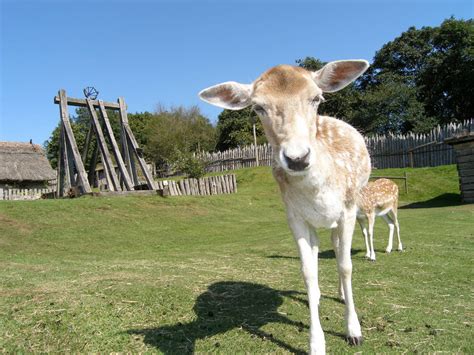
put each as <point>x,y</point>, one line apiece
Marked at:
<point>323,254</point>
<point>444,200</point>
<point>225,306</point>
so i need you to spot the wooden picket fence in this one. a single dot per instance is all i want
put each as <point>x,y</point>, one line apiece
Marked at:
<point>7,193</point>
<point>416,150</point>
<point>390,151</point>
<point>212,185</point>
<point>238,158</point>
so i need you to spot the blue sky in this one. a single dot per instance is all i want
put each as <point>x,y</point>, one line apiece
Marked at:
<point>165,52</point>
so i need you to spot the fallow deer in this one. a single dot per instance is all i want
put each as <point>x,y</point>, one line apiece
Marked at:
<point>378,198</point>
<point>321,164</point>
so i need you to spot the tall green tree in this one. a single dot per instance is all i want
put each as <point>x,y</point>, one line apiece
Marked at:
<point>341,104</point>
<point>235,128</point>
<point>390,107</point>
<point>420,79</point>
<point>79,125</point>
<point>170,134</point>
<point>437,63</point>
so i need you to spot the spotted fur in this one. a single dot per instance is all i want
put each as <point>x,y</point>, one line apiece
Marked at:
<point>321,166</point>
<point>378,198</point>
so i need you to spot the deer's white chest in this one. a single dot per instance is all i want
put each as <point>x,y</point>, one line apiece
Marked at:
<point>317,207</point>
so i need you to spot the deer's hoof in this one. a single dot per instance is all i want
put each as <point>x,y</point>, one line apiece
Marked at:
<point>355,341</point>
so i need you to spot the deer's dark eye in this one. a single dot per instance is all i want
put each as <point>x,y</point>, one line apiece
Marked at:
<point>317,100</point>
<point>259,110</point>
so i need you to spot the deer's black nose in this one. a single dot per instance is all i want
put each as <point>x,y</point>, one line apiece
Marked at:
<point>297,163</point>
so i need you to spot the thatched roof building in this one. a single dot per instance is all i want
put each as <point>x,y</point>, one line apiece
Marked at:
<point>23,163</point>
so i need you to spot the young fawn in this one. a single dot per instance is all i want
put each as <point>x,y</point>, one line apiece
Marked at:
<point>321,165</point>
<point>378,198</point>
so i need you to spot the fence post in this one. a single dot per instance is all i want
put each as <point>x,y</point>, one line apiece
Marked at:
<point>406,182</point>
<point>410,155</point>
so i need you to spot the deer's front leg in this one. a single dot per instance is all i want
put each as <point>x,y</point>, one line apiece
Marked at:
<point>344,231</point>
<point>308,247</point>
<point>335,246</point>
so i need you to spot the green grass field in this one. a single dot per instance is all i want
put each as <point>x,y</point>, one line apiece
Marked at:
<point>221,274</point>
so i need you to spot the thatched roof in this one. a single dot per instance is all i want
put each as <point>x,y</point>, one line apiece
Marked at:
<point>24,162</point>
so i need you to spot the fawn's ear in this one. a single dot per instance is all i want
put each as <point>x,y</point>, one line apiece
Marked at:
<point>337,75</point>
<point>229,95</point>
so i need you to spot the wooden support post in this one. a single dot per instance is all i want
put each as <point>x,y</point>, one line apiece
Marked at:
<point>92,176</point>
<point>133,165</point>
<point>106,159</point>
<point>108,178</point>
<point>127,151</point>
<point>134,145</point>
<point>406,182</point>
<point>255,145</point>
<point>70,166</point>
<point>71,141</point>
<point>62,167</point>
<point>87,143</point>
<point>115,148</point>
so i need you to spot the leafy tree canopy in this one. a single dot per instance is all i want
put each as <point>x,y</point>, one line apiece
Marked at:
<point>420,79</point>
<point>438,62</point>
<point>172,133</point>
<point>235,128</point>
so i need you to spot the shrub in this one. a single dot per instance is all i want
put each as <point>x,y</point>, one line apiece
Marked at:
<point>192,166</point>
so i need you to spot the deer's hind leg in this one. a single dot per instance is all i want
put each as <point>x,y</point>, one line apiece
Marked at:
<point>371,222</point>
<point>363,223</point>
<point>394,216</point>
<point>391,225</point>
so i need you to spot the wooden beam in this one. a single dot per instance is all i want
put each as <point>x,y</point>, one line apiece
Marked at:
<point>126,149</point>
<point>136,149</point>
<point>71,141</point>
<point>110,183</point>
<point>104,150</point>
<point>87,143</point>
<point>83,103</point>
<point>70,166</point>
<point>134,145</point>
<point>115,148</point>
<point>133,165</point>
<point>62,170</point>
<point>124,146</point>
<point>92,175</point>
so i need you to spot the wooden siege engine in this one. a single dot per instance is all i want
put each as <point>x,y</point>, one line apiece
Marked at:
<point>126,153</point>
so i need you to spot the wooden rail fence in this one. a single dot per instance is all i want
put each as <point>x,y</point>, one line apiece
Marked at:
<point>390,151</point>
<point>23,194</point>
<point>212,185</point>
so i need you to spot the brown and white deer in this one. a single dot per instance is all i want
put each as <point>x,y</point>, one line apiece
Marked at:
<point>378,198</point>
<point>321,165</point>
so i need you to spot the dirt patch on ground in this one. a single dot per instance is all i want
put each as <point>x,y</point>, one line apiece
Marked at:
<point>21,227</point>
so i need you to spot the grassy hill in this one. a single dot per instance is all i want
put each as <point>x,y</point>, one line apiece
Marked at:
<point>221,274</point>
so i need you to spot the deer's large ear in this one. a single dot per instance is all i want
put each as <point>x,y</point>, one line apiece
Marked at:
<point>229,95</point>
<point>337,75</point>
